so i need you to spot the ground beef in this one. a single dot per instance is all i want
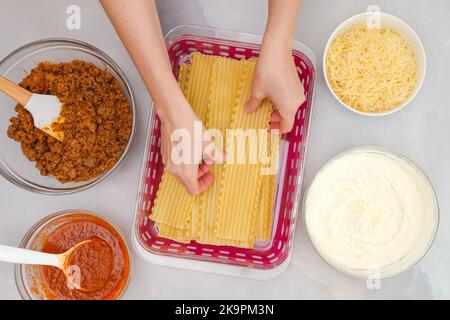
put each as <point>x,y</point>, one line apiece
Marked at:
<point>97,124</point>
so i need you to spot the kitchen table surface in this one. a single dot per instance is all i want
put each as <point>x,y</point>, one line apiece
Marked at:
<point>421,132</point>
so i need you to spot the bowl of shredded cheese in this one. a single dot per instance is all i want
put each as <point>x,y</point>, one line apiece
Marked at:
<point>374,63</point>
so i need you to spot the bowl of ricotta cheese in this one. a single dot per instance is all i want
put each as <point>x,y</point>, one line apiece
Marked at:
<point>371,211</point>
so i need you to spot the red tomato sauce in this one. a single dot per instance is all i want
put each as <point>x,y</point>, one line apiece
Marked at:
<point>113,269</point>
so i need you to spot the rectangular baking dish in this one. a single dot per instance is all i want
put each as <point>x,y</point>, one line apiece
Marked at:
<point>267,259</point>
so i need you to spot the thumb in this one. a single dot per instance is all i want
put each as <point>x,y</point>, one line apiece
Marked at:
<point>252,104</point>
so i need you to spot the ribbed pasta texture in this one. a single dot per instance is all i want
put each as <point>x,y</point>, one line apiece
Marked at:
<point>237,208</point>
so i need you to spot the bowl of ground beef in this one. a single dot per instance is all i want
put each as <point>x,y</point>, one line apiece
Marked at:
<point>98,110</point>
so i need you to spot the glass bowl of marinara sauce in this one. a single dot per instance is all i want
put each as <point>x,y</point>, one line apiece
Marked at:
<point>57,233</point>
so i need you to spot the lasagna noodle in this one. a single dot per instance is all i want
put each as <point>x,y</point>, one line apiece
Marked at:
<point>173,203</point>
<point>198,90</point>
<point>167,231</point>
<point>261,216</point>
<point>238,203</point>
<point>198,95</point>
<point>183,76</point>
<point>224,89</point>
<point>217,89</point>
<point>174,206</point>
<point>264,214</point>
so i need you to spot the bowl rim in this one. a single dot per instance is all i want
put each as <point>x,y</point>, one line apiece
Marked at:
<point>22,182</point>
<point>340,28</point>
<point>18,270</point>
<point>388,152</point>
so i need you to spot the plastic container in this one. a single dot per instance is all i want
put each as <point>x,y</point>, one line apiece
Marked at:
<point>407,261</point>
<point>27,277</point>
<point>267,259</point>
<point>403,29</point>
<point>14,166</point>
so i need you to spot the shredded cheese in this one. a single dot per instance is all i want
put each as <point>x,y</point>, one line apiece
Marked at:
<point>371,70</point>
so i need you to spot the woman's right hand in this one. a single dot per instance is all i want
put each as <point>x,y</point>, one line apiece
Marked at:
<point>191,166</point>
<point>138,25</point>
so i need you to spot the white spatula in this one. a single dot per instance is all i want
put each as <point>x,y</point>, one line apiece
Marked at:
<point>45,109</point>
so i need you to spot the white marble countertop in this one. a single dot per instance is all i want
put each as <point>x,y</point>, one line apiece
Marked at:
<point>421,132</point>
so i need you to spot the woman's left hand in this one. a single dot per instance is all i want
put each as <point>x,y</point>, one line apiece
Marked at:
<point>276,78</point>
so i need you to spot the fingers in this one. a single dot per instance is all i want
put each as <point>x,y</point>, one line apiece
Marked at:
<point>203,169</point>
<point>283,119</point>
<point>213,154</point>
<point>190,180</point>
<point>283,123</point>
<point>275,120</point>
<point>275,116</point>
<point>197,179</point>
<point>274,126</point>
<point>252,104</point>
<point>179,179</point>
<point>287,124</point>
<point>195,183</point>
<point>205,181</point>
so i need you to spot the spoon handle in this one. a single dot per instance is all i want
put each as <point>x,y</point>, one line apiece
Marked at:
<point>19,255</point>
<point>15,91</point>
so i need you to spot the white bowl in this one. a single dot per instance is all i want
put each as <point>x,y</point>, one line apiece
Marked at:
<point>404,30</point>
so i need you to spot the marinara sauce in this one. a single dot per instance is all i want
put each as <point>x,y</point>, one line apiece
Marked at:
<point>113,267</point>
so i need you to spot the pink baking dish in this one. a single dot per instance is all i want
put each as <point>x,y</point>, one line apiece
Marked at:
<point>267,259</point>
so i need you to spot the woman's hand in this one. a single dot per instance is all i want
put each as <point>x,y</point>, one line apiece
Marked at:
<point>276,78</point>
<point>137,23</point>
<point>187,159</point>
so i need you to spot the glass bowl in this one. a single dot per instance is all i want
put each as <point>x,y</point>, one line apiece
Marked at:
<point>27,277</point>
<point>413,256</point>
<point>14,166</point>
